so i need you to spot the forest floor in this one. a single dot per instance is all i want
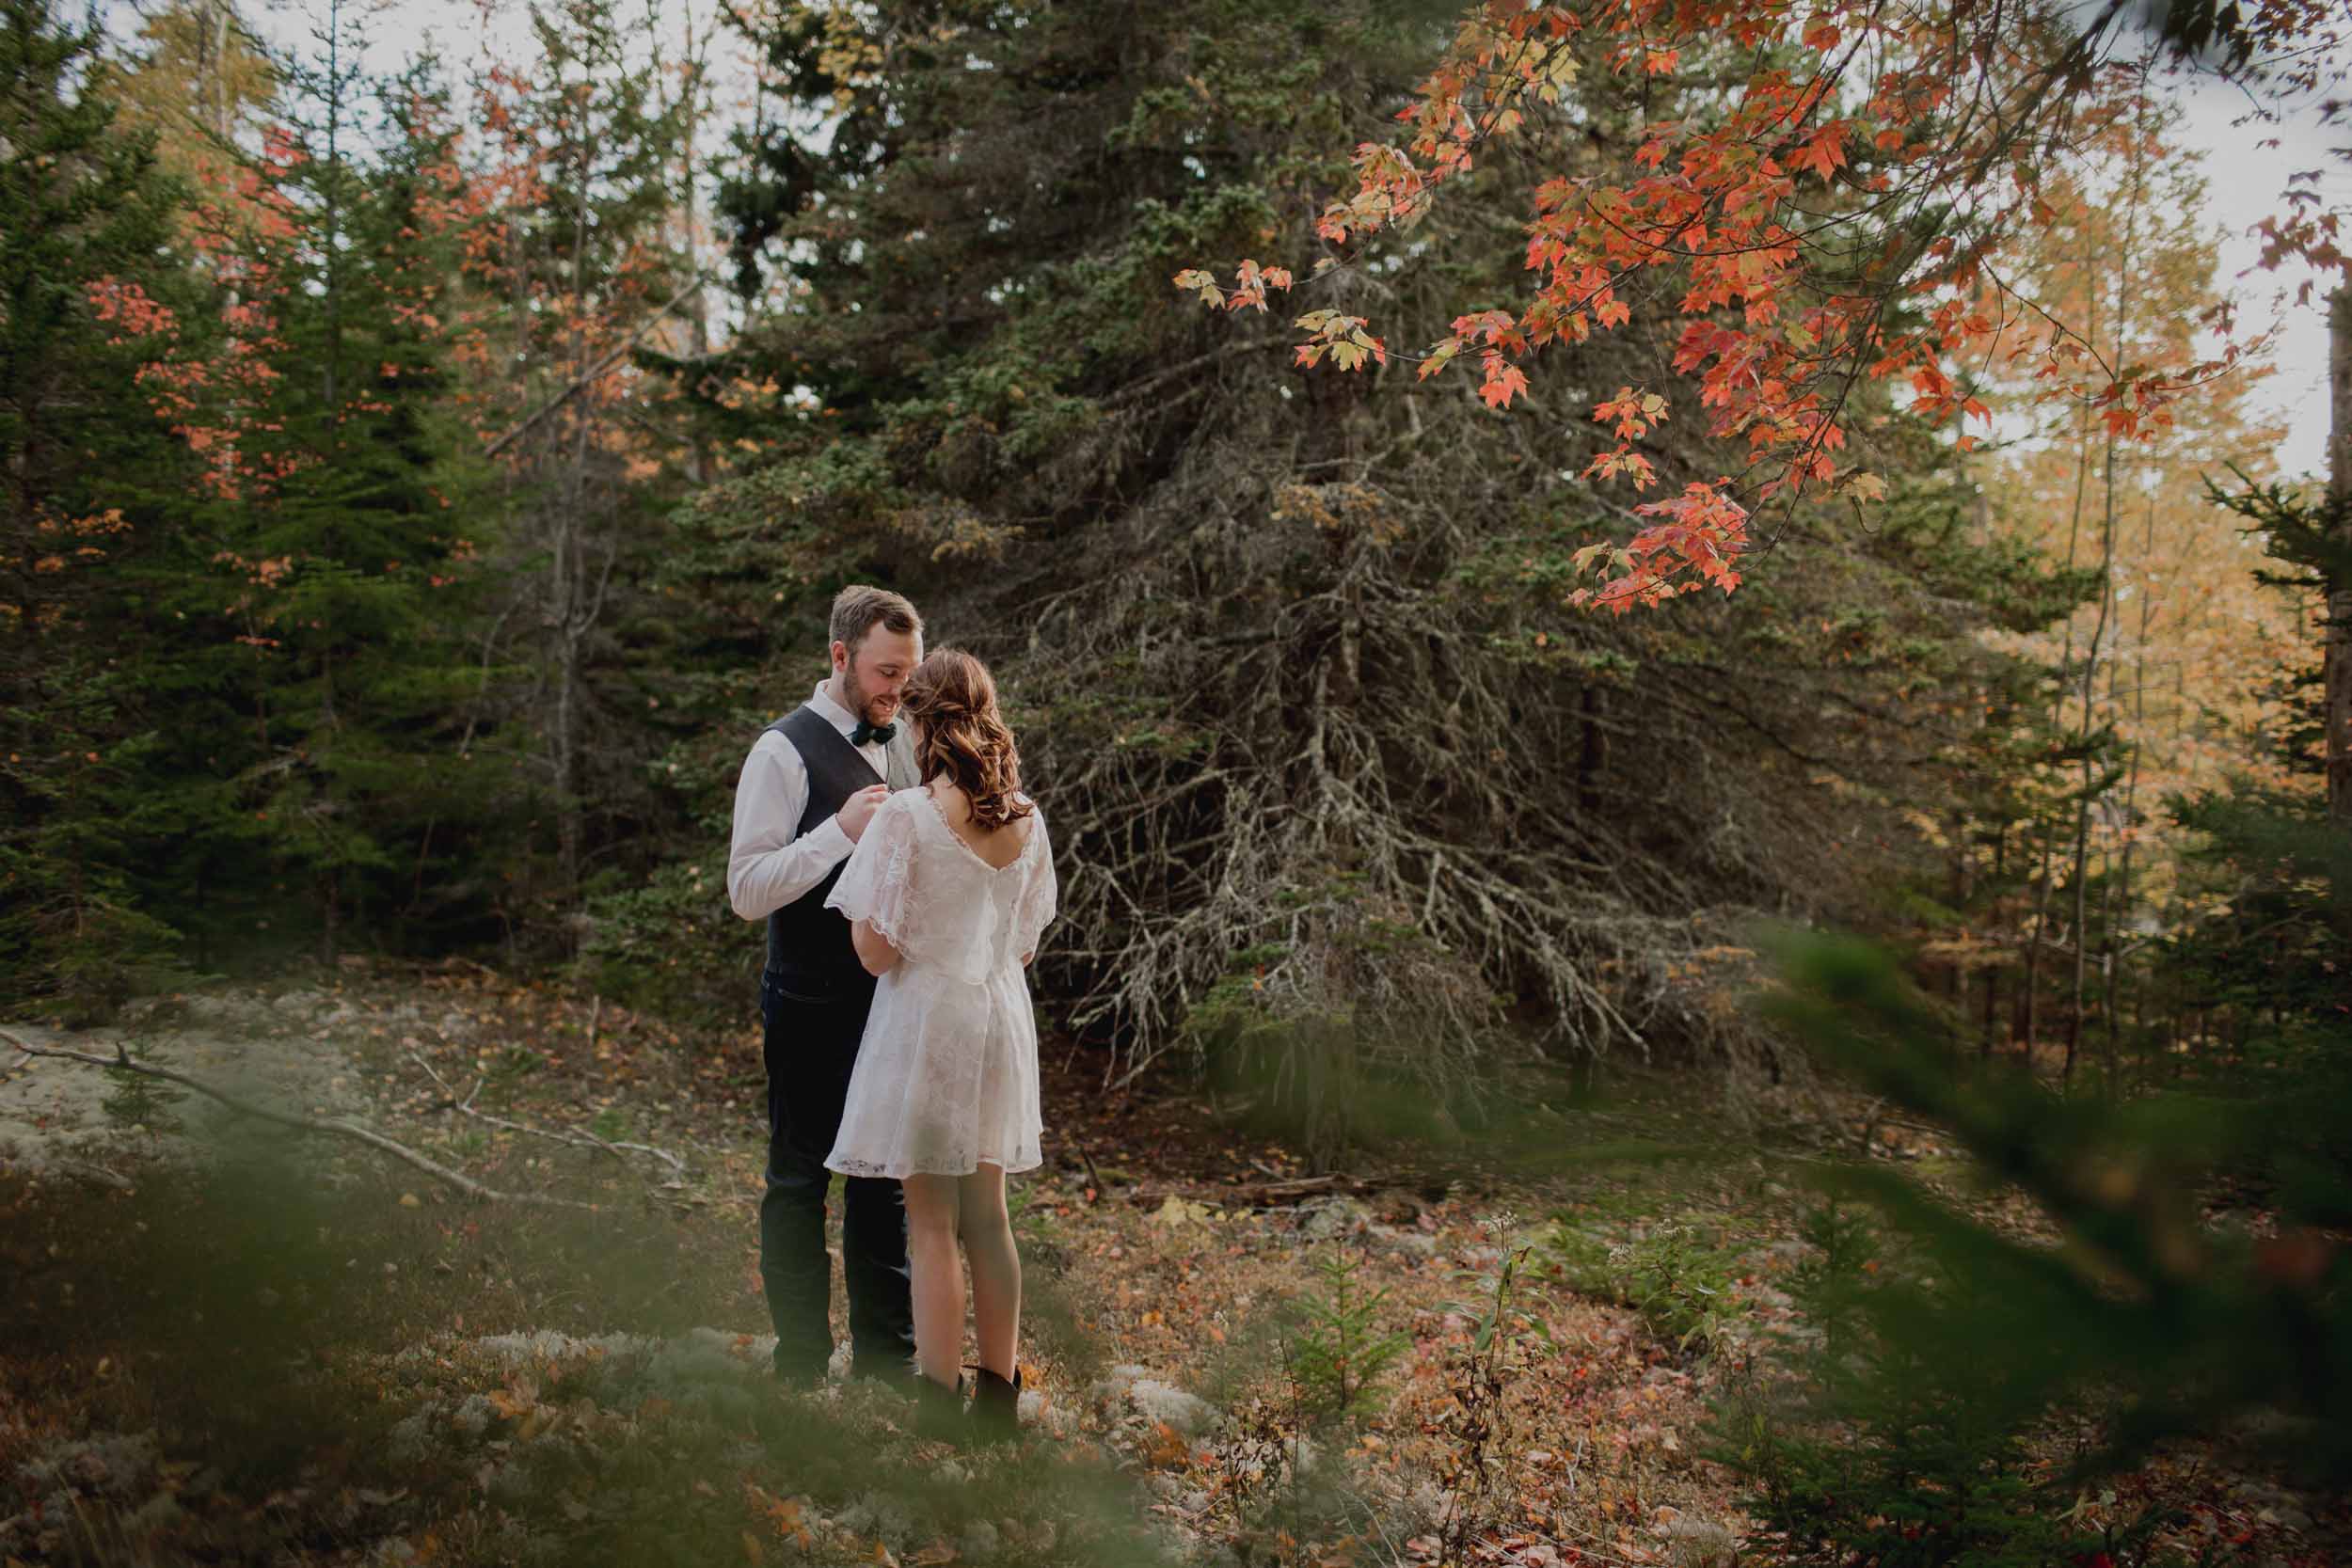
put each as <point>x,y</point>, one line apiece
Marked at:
<point>227,1342</point>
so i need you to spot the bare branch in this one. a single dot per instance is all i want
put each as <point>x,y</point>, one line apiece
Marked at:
<point>574,1137</point>
<point>341,1129</point>
<point>588,377</point>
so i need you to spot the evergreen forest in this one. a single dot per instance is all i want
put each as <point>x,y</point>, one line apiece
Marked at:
<point>1697,721</point>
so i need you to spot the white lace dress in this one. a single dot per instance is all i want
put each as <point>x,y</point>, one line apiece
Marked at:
<point>946,1074</point>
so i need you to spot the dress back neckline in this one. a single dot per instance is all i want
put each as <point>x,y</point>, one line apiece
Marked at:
<point>941,812</point>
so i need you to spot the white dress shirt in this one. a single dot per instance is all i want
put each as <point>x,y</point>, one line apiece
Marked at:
<point>768,867</point>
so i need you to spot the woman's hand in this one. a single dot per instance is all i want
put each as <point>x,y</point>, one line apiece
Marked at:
<point>874,950</point>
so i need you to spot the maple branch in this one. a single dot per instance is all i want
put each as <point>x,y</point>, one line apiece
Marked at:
<point>587,377</point>
<point>123,1060</point>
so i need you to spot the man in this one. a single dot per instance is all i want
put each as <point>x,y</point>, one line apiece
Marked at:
<point>805,797</point>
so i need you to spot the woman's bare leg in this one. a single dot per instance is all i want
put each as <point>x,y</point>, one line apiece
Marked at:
<point>995,1269</point>
<point>933,1217</point>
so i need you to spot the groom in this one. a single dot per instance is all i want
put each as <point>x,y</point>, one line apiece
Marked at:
<point>806,792</point>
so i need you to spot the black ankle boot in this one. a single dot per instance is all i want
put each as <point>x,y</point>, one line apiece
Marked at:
<point>997,1406</point>
<point>938,1411</point>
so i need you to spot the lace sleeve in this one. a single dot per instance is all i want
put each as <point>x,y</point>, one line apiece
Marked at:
<point>1039,891</point>
<point>878,883</point>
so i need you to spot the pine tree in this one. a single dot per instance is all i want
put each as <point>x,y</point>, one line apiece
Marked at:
<point>589,279</point>
<point>1392,775</point>
<point>88,269</point>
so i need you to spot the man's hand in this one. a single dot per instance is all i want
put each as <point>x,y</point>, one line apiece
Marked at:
<point>858,809</point>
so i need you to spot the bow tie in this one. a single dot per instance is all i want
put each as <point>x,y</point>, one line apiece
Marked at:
<point>866,734</point>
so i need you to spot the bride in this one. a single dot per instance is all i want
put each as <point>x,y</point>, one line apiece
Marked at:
<point>947,891</point>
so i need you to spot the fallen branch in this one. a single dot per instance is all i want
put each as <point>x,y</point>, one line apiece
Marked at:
<point>1255,1195</point>
<point>571,1136</point>
<point>351,1129</point>
<point>90,1171</point>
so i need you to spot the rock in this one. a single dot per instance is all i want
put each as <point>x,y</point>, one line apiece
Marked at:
<point>875,1513</point>
<point>110,1464</point>
<point>1189,1415</point>
<point>473,1415</point>
<point>1119,1379</point>
<point>1323,1219</point>
<point>2274,1505</point>
<point>1412,1243</point>
<point>979,1541</point>
<point>531,1350</point>
<point>1424,1508</point>
<point>702,1357</point>
<point>511,1485</point>
<point>410,1441</point>
<point>1695,1542</point>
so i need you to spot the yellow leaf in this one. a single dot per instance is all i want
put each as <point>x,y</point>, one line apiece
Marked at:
<point>1176,1212</point>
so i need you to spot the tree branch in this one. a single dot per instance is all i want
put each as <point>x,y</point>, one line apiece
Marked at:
<point>590,374</point>
<point>572,1136</point>
<point>353,1131</point>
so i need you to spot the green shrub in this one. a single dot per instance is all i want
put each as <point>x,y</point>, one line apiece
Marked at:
<point>671,945</point>
<point>1674,1272</point>
<point>1859,1450</point>
<point>1337,1351</point>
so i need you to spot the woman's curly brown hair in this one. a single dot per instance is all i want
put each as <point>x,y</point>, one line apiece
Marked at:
<point>953,699</point>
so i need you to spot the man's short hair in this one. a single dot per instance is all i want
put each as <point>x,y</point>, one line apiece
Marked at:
<point>858,610</point>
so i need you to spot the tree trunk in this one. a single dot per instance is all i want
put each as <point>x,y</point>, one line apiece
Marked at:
<point>1992,969</point>
<point>2043,886</point>
<point>2339,633</point>
<point>2122,888</point>
<point>2125,260</point>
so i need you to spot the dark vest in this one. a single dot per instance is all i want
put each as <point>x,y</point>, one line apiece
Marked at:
<point>808,945</point>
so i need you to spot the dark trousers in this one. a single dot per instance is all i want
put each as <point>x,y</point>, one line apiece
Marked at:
<point>811,1044</point>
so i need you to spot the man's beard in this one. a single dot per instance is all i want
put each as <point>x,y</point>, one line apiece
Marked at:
<point>864,702</point>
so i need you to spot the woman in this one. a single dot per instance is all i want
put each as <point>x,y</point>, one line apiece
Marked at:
<point>947,892</point>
